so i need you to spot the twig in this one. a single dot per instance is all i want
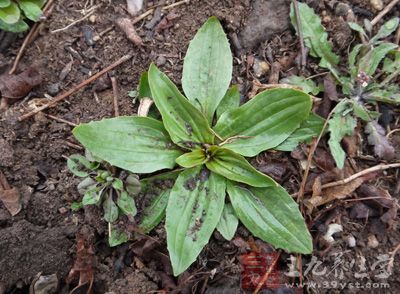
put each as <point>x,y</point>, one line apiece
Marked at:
<point>392,132</point>
<point>375,168</point>
<point>151,10</point>
<point>355,176</point>
<point>144,106</point>
<point>93,10</point>
<point>300,194</point>
<point>28,39</point>
<point>266,275</point>
<point>300,32</point>
<point>115,94</point>
<point>384,12</point>
<point>61,120</point>
<point>72,145</point>
<point>392,255</point>
<point>175,4</point>
<point>76,88</point>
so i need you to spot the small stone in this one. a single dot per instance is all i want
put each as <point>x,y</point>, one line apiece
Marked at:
<point>351,241</point>
<point>260,67</point>
<point>342,9</point>
<point>161,60</point>
<point>92,18</point>
<point>53,89</point>
<point>62,210</point>
<point>372,241</point>
<point>376,4</point>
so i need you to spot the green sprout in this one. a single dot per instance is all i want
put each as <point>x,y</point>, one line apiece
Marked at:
<point>208,135</point>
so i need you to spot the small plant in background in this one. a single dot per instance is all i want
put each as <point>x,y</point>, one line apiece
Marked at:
<point>14,13</point>
<point>362,87</point>
<point>208,135</point>
<point>102,188</point>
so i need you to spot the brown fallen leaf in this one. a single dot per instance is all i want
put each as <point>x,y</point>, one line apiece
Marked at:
<point>329,194</point>
<point>83,265</point>
<point>14,87</point>
<point>9,196</point>
<point>167,22</point>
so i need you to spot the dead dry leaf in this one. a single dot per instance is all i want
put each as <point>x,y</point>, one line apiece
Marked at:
<point>329,194</point>
<point>376,137</point>
<point>14,87</point>
<point>9,196</point>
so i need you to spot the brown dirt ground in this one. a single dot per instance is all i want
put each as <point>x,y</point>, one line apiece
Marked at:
<point>41,237</point>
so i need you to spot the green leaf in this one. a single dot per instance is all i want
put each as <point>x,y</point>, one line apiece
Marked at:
<point>117,237</point>
<point>191,159</point>
<point>315,36</point>
<point>390,95</point>
<point>353,58</point>
<point>4,3</point>
<point>30,9</point>
<point>228,223</point>
<point>126,204</point>
<point>186,125</point>
<point>265,121</point>
<point>207,68</point>
<point>307,85</point>
<point>309,129</point>
<point>110,209</point>
<point>194,208</point>
<point>235,167</point>
<point>93,195</point>
<point>76,206</point>
<point>144,87</point>
<point>370,61</point>
<point>155,194</point>
<point>76,162</point>
<point>272,215</point>
<point>10,14</point>
<point>386,29</point>
<point>361,112</point>
<point>389,65</point>
<point>356,27</point>
<point>137,144</point>
<point>132,184</point>
<point>118,184</point>
<point>18,27</point>
<point>230,101</point>
<point>340,125</point>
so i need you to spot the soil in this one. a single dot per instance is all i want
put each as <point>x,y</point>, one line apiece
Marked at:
<point>41,239</point>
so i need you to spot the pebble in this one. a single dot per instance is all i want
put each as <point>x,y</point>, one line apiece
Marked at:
<point>53,89</point>
<point>376,4</point>
<point>161,60</point>
<point>92,18</point>
<point>351,241</point>
<point>372,241</point>
<point>260,67</point>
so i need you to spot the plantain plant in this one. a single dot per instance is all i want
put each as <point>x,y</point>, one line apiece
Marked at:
<point>200,146</point>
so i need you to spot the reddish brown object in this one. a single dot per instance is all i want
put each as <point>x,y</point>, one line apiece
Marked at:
<point>126,25</point>
<point>83,265</point>
<point>9,196</point>
<point>14,87</point>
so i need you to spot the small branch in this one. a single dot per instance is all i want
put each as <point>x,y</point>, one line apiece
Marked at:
<point>144,106</point>
<point>300,194</point>
<point>76,88</point>
<point>91,11</point>
<point>61,120</point>
<point>46,12</point>
<point>387,9</point>
<point>364,172</point>
<point>266,275</point>
<point>116,95</point>
<point>391,260</point>
<point>300,32</point>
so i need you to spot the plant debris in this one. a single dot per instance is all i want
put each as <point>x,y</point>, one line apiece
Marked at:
<point>9,196</point>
